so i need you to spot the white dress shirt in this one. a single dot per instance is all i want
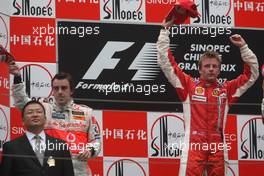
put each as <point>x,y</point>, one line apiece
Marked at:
<point>32,140</point>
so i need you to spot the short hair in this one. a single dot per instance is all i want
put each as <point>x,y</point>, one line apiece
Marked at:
<point>210,55</point>
<point>32,102</point>
<point>63,75</point>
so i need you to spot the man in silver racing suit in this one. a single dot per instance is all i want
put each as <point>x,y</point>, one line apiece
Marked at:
<point>65,120</point>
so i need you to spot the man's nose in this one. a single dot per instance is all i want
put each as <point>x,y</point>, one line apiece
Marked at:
<point>60,90</point>
<point>211,67</point>
<point>35,113</point>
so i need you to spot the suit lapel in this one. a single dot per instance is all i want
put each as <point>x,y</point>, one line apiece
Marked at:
<point>29,150</point>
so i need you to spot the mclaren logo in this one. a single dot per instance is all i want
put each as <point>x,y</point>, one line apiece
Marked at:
<point>145,62</point>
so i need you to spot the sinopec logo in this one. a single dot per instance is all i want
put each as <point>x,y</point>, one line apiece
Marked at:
<point>167,134</point>
<point>43,8</point>
<point>230,171</point>
<point>215,12</point>
<point>126,167</point>
<point>3,126</point>
<point>252,139</point>
<point>123,10</point>
<point>36,87</point>
<point>3,32</point>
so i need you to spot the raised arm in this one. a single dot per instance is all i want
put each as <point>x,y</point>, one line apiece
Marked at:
<point>168,65</point>
<point>19,92</point>
<point>239,85</point>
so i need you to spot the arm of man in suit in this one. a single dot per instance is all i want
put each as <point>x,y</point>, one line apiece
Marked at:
<point>6,164</point>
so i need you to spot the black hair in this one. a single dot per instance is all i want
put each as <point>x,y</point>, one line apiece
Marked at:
<point>32,102</point>
<point>63,75</point>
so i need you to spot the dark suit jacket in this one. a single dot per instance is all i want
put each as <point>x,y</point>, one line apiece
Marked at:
<point>19,159</point>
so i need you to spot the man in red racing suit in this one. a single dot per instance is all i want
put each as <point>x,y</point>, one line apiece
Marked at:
<point>205,104</point>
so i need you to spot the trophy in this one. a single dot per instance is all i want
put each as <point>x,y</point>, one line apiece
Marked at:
<point>181,11</point>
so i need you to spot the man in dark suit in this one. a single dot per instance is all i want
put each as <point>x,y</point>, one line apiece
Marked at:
<point>35,153</point>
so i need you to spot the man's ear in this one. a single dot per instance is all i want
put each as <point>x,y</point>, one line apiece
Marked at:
<point>52,91</point>
<point>199,70</point>
<point>219,71</point>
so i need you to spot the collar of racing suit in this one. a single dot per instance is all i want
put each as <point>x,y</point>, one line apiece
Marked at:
<point>62,108</point>
<point>205,83</point>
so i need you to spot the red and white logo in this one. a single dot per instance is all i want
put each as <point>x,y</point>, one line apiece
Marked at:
<point>166,135</point>
<point>119,10</point>
<point>37,79</point>
<point>4,125</point>
<point>160,6</point>
<point>71,138</point>
<point>126,167</point>
<point>78,9</point>
<point>231,171</point>
<point>4,31</point>
<point>251,138</point>
<point>220,12</point>
<point>4,84</point>
<point>43,8</point>
<point>119,133</point>
<point>249,13</point>
<point>36,40</point>
<point>36,87</point>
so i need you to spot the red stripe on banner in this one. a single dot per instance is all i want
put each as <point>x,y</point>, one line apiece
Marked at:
<point>4,84</point>
<point>16,125</point>
<point>125,134</point>
<point>250,168</point>
<point>157,166</point>
<point>231,136</point>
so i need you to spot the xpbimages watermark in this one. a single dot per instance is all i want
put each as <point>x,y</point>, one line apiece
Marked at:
<point>80,31</point>
<point>212,31</point>
<point>114,87</point>
<point>81,147</point>
<point>196,146</point>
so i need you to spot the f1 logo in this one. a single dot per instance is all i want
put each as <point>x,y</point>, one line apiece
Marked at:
<point>145,62</point>
<point>104,60</point>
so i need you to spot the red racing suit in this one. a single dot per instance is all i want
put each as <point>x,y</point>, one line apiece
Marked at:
<point>205,109</point>
<point>73,124</point>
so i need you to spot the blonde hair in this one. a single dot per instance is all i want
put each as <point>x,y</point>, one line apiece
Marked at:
<point>209,55</point>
